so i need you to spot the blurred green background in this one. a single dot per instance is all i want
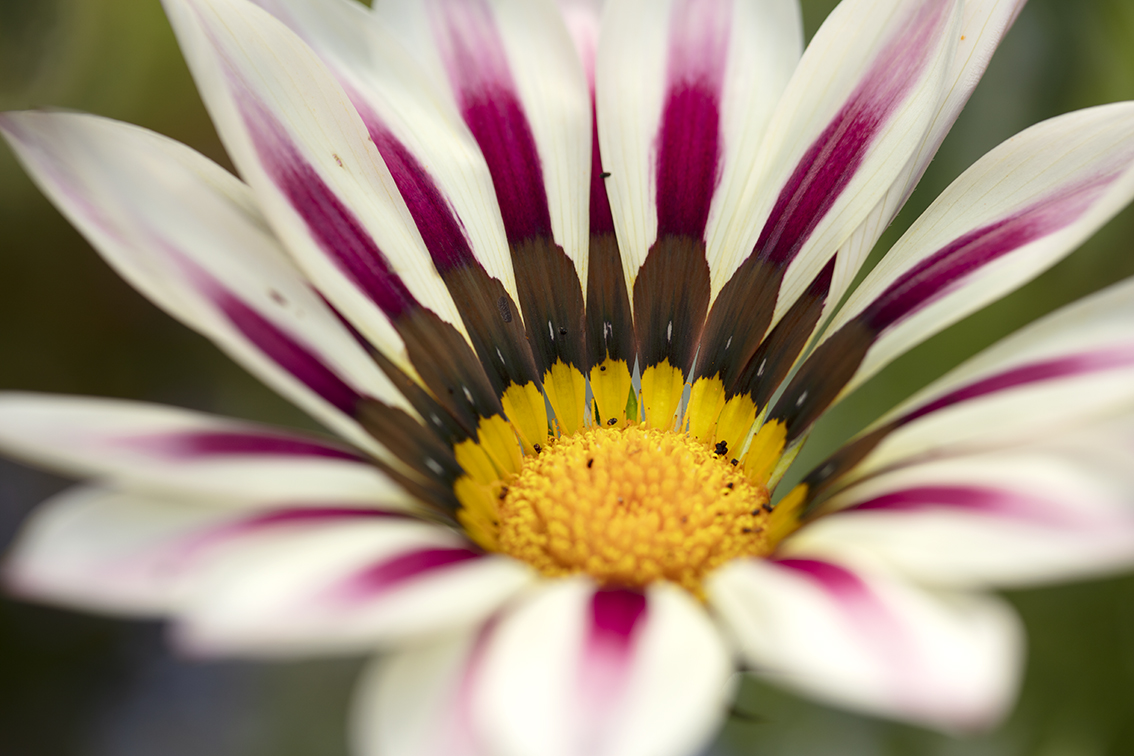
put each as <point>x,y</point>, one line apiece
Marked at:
<point>76,684</point>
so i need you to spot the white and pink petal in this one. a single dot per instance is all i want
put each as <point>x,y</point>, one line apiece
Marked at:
<point>178,452</point>
<point>418,701</point>
<point>1017,517</point>
<point>1017,211</point>
<point>1014,213</point>
<point>189,236</point>
<point>855,111</point>
<point>299,142</point>
<point>1065,371</point>
<point>511,70</point>
<point>684,92</point>
<point>344,587</point>
<point>575,670</point>
<point>135,553</point>
<point>429,151</point>
<point>865,640</point>
<point>983,25</point>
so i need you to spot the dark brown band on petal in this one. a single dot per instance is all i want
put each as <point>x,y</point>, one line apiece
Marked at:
<point>820,480</point>
<point>772,361</point>
<point>435,417</point>
<point>610,327</point>
<point>448,367</point>
<point>495,327</point>
<point>671,298</point>
<point>552,300</point>
<point>738,320</point>
<point>822,377</point>
<point>409,441</point>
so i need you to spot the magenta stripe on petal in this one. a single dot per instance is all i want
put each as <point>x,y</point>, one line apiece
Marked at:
<point>936,275</point>
<point>288,353</point>
<point>989,501</point>
<point>1036,372</point>
<point>604,669</point>
<point>439,227</point>
<point>195,444</point>
<point>406,567</point>
<point>834,158</point>
<point>280,347</point>
<point>689,149</point>
<point>486,94</point>
<point>281,516</point>
<point>334,227</point>
<point>879,630</point>
<point>602,220</point>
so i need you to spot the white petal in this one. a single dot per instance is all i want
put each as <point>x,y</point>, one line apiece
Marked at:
<point>105,551</point>
<point>855,111</point>
<point>399,101</point>
<point>575,671</point>
<point>871,643</point>
<point>1013,214</point>
<point>1013,518</point>
<point>301,145</point>
<point>738,54</point>
<point>343,588</point>
<point>173,451</point>
<point>418,701</point>
<point>983,25</point>
<point>1063,371</point>
<point>188,235</point>
<point>134,553</point>
<point>513,51</point>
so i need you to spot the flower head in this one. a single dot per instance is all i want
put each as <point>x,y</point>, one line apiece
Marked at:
<point>572,283</point>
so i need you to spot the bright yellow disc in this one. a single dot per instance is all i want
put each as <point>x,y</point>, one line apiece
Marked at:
<point>630,506</point>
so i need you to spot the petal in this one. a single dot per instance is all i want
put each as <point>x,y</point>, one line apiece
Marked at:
<point>174,451</point>
<point>1012,518</point>
<point>983,25</point>
<point>513,74</point>
<point>1066,370</point>
<point>513,59</point>
<point>398,100</point>
<point>1013,214</point>
<point>442,177</point>
<point>300,144</point>
<point>869,642</point>
<point>188,235</point>
<point>137,554</point>
<point>855,111</point>
<point>578,671</point>
<point>684,93</point>
<point>418,701</point>
<point>343,588</point>
<point>317,173</point>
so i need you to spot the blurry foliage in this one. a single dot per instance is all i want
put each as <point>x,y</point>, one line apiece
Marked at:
<point>73,684</point>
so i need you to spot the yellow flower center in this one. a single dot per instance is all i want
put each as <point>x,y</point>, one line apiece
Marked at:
<point>629,506</point>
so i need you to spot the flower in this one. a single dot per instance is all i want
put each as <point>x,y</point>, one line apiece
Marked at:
<point>571,353</point>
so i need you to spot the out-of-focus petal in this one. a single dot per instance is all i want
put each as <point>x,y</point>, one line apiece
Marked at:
<point>177,452</point>
<point>343,587</point>
<point>578,671</point>
<point>188,235</point>
<point>1013,518</point>
<point>869,642</point>
<point>139,554</point>
<point>418,701</point>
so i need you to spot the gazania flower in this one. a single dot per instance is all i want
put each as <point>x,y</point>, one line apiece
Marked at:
<point>568,293</point>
